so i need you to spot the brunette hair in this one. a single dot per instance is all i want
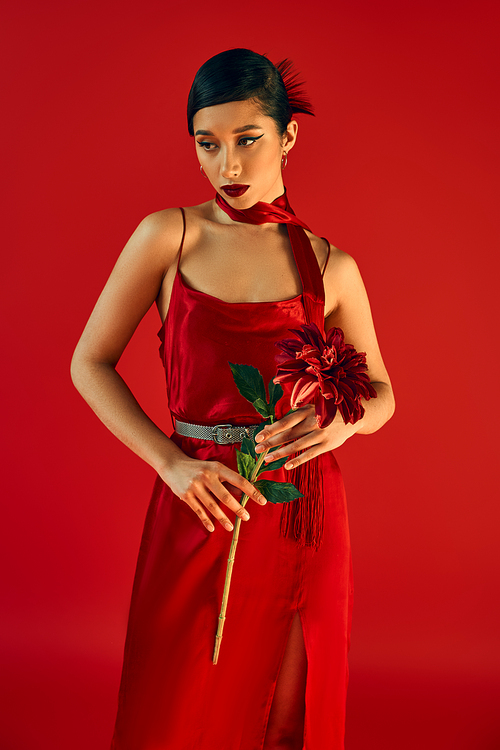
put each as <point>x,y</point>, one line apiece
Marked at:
<point>240,74</point>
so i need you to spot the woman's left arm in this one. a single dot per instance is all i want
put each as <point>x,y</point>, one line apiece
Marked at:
<point>347,307</point>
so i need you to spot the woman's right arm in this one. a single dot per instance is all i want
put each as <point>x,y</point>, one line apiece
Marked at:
<point>131,289</point>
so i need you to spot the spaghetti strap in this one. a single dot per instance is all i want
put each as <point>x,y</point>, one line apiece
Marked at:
<point>327,257</point>
<point>183,235</point>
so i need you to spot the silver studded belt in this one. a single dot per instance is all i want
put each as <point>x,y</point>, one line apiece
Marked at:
<point>223,434</point>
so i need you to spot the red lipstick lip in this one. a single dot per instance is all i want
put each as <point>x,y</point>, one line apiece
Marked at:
<point>234,191</point>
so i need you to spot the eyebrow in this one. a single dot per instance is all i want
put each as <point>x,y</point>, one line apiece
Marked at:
<point>238,130</point>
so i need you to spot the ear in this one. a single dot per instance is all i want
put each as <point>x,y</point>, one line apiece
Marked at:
<point>290,136</point>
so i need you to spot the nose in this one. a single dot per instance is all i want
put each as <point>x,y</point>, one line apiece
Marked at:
<point>230,166</point>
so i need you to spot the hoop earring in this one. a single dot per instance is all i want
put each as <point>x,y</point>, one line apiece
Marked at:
<point>284,160</point>
<point>201,170</point>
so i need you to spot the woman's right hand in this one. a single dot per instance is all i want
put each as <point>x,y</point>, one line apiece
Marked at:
<point>201,483</point>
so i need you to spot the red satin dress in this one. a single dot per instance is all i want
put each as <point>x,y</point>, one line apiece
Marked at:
<point>172,697</point>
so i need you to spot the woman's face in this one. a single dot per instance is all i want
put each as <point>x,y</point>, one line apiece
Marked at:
<point>239,146</point>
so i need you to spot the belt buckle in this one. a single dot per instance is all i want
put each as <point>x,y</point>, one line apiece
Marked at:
<point>215,434</point>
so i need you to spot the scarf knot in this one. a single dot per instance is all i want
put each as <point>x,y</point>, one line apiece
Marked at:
<point>279,211</point>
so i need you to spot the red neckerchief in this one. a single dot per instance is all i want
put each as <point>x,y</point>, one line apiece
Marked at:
<point>279,211</point>
<point>302,519</point>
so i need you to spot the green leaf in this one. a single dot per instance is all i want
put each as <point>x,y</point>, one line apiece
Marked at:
<point>275,393</point>
<point>278,492</point>
<point>262,407</point>
<point>246,464</point>
<point>248,446</point>
<point>273,464</point>
<point>249,382</point>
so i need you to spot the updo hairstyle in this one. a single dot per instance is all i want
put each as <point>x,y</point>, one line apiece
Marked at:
<point>240,74</point>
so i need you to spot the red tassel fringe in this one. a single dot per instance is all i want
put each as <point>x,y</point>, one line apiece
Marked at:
<point>303,519</point>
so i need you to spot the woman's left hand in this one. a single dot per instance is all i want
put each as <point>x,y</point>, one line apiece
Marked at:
<point>300,431</point>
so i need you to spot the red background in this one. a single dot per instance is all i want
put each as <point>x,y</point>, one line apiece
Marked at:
<point>400,169</point>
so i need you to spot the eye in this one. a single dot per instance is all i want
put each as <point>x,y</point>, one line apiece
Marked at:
<point>207,145</point>
<point>248,140</point>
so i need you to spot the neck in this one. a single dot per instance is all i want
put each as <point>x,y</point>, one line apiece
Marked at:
<point>275,192</point>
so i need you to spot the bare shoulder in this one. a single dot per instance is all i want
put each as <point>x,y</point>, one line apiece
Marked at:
<point>330,256</point>
<point>169,224</point>
<point>161,232</point>
<point>341,264</point>
<point>158,236</point>
<point>344,285</point>
<point>320,247</point>
<point>342,280</point>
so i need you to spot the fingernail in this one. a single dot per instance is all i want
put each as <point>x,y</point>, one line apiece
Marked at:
<point>288,466</point>
<point>228,525</point>
<point>259,438</point>
<point>259,448</point>
<point>211,528</point>
<point>245,516</point>
<point>262,500</point>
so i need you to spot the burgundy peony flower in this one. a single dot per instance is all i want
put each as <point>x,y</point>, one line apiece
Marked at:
<point>331,373</point>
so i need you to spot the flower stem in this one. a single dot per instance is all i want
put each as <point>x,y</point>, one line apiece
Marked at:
<point>230,561</point>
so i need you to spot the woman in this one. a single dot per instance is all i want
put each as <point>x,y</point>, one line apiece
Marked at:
<point>228,284</point>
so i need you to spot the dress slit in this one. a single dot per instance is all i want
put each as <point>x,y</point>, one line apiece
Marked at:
<point>285,725</point>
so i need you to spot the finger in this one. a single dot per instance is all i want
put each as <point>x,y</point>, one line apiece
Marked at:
<point>303,458</point>
<point>223,494</point>
<point>235,491</point>
<point>307,441</point>
<point>277,440</point>
<point>281,424</point>
<point>211,504</point>
<point>290,432</point>
<point>243,484</point>
<point>198,508</point>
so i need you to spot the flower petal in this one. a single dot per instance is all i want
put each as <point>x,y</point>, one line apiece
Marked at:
<point>303,391</point>
<point>325,411</point>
